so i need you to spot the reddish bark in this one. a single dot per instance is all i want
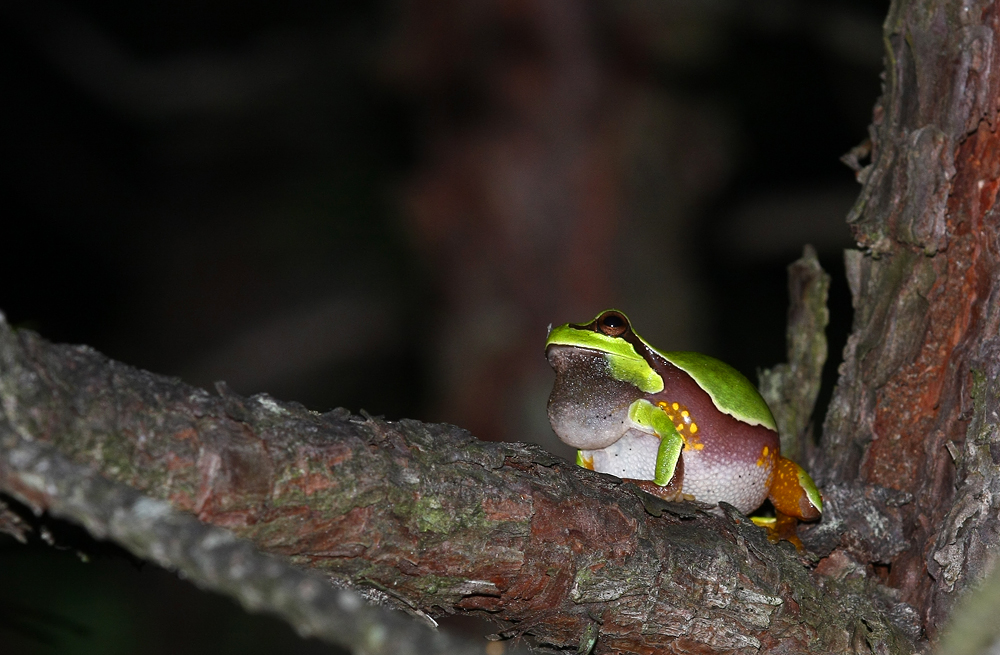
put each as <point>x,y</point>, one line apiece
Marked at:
<point>917,383</point>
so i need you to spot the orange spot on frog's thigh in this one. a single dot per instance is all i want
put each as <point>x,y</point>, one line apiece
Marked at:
<point>786,493</point>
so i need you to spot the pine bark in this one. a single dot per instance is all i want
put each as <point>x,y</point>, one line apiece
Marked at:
<point>912,427</point>
<point>431,518</point>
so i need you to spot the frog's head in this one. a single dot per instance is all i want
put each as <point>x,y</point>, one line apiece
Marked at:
<point>601,368</point>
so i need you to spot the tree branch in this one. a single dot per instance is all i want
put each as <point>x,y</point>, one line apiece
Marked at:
<point>210,557</point>
<point>436,520</point>
<point>791,389</point>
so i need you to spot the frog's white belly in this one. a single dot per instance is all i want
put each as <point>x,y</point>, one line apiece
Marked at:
<point>709,479</point>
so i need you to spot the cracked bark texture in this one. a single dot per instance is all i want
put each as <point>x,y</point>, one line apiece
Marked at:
<point>211,557</point>
<point>912,428</point>
<point>791,389</point>
<point>438,521</point>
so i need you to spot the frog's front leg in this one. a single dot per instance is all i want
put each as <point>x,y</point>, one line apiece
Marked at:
<point>668,475</point>
<point>672,491</point>
<point>647,454</point>
<point>650,418</point>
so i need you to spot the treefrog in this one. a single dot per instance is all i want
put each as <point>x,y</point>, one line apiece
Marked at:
<point>679,423</point>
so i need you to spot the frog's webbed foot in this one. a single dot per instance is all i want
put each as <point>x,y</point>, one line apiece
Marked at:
<point>780,527</point>
<point>670,492</point>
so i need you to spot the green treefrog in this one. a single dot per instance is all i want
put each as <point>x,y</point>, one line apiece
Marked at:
<point>679,423</point>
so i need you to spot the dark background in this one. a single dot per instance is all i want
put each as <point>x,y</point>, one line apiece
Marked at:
<point>382,206</point>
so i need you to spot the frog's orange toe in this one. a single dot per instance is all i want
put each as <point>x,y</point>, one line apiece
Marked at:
<point>780,527</point>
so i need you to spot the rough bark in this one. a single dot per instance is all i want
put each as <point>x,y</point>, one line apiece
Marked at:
<point>973,629</point>
<point>439,521</point>
<point>912,428</point>
<point>790,389</point>
<point>208,556</point>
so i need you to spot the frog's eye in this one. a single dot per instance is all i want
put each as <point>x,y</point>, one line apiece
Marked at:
<point>612,324</point>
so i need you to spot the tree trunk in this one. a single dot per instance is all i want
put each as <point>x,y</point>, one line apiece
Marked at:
<point>912,426</point>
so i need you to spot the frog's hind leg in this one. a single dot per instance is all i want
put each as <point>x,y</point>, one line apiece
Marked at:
<point>793,492</point>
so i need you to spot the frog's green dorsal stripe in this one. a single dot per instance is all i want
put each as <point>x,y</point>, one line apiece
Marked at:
<point>729,389</point>
<point>809,487</point>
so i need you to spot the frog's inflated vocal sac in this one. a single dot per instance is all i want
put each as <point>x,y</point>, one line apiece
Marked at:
<point>687,422</point>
